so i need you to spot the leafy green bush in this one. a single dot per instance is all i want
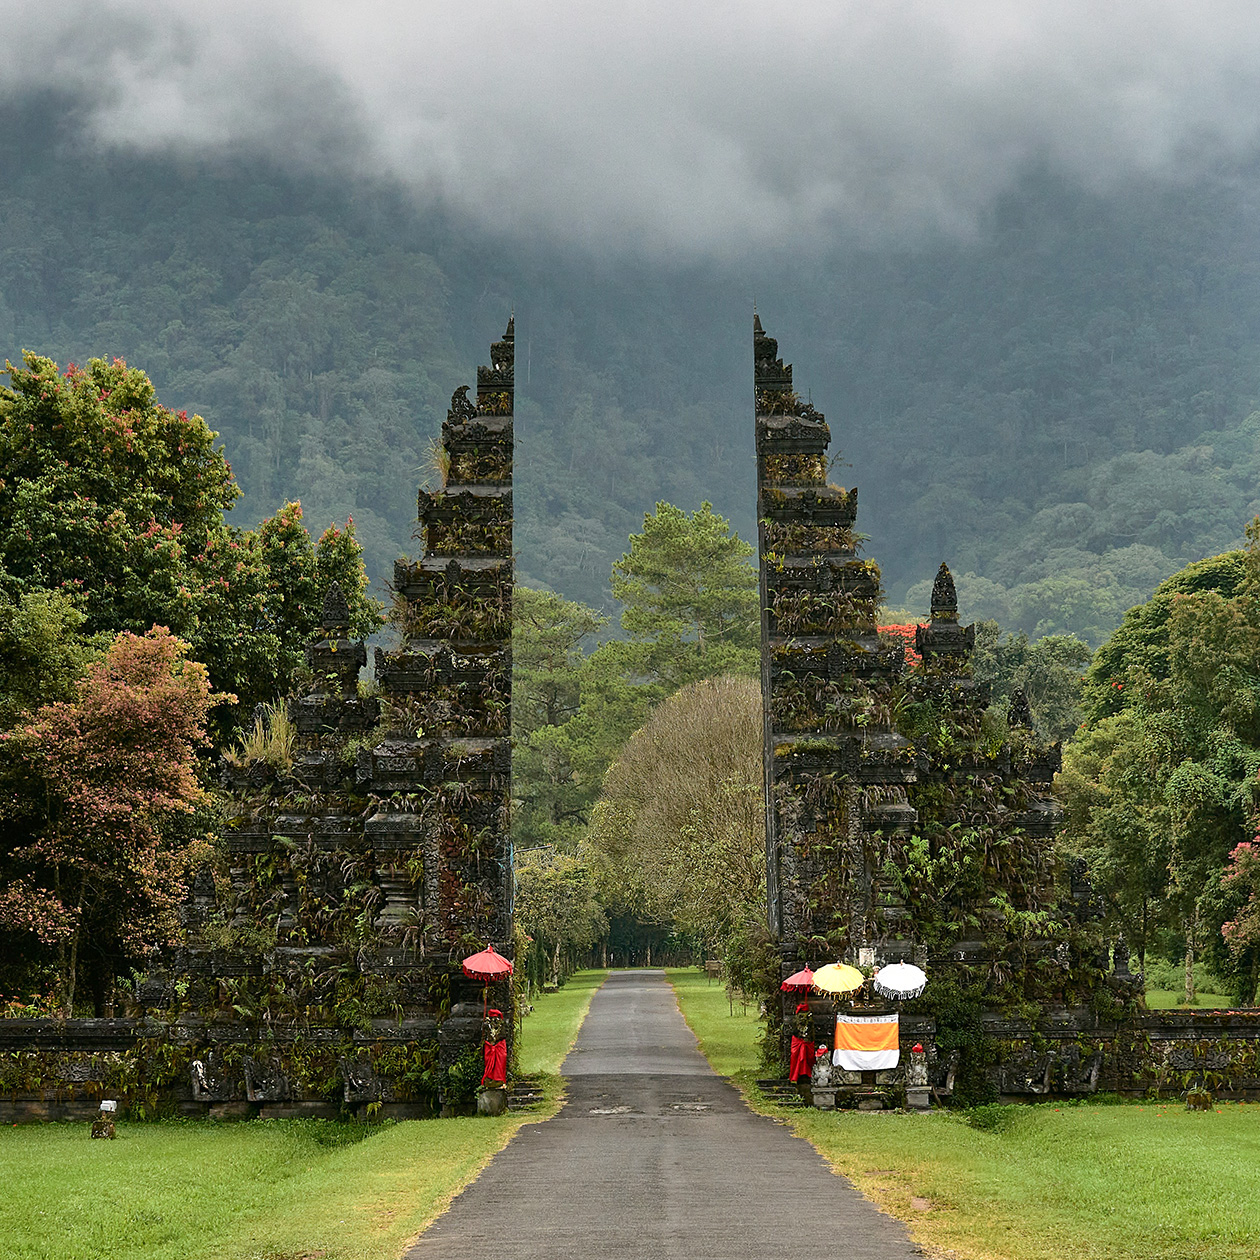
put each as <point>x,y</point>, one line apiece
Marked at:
<point>463,1077</point>
<point>1161,974</point>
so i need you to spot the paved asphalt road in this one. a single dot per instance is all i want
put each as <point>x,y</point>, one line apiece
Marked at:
<point>654,1156</point>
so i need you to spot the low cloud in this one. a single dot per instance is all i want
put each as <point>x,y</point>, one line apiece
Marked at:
<point>686,130</point>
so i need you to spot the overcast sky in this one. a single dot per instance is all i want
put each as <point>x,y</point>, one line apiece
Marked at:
<point>675,128</point>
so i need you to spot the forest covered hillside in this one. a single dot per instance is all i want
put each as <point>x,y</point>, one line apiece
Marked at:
<point>1062,406</point>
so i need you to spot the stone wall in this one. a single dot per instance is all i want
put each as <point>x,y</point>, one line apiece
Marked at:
<point>1155,1053</point>
<point>59,1070</point>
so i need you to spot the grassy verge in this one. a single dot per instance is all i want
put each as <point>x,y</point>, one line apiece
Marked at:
<point>1093,1181</point>
<point>729,1041</point>
<point>550,1029</point>
<point>262,1190</point>
<point>267,1188</point>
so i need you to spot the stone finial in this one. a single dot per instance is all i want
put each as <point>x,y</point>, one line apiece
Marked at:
<point>1019,711</point>
<point>500,374</point>
<point>943,637</point>
<point>944,606</point>
<point>462,409</point>
<point>768,368</point>
<point>336,612</point>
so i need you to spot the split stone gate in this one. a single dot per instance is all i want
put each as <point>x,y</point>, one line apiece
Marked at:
<point>318,968</point>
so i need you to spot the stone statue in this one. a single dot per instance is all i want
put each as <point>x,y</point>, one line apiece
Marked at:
<point>1019,711</point>
<point>336,610</point>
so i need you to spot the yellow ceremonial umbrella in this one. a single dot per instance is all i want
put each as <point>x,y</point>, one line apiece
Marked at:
<point>838,978</point>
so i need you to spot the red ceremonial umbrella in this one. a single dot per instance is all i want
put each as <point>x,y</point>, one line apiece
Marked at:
<point>800,982</point>
<point>487,966</point>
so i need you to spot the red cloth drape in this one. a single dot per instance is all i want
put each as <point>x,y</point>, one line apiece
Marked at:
<point>802,1060</point>
<point>496,1061</point>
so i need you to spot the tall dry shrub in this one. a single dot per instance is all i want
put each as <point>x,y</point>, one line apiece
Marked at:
<point>678,833</point>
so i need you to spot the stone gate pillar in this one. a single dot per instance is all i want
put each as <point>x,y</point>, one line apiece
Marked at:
<point>441,775</point>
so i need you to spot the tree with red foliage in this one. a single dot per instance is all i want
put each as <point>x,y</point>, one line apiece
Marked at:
<point>91,790</point>
<point>906,636</point>
<point>1242,877</point>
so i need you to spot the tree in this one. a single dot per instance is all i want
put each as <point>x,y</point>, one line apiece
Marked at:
<point>43,652</point>
<point>91,788</point>
<point>118,503</point>
<point>1050,671</point>
<point>552,779</point>
<point>1163,785</point>
<point>252,624</point>
<point>678,834</point>
<point>1241,883</point>
<point>1139,645</point>
<point>691,612</point>
<point>1118,820</point>
<point>689,596</point>
<point>548,634</point>
<point>905,634</point>
<point>556,905</point>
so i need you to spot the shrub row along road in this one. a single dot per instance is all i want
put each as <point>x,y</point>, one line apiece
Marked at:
<point>655,1156</point>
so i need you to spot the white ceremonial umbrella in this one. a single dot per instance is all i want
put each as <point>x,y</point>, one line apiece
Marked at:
<point>899,981</point>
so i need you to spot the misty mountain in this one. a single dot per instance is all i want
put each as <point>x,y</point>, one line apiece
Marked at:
<point>1059,402</point>
<point>661,130</point>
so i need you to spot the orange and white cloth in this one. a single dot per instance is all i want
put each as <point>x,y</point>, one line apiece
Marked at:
<point>866,1043</point>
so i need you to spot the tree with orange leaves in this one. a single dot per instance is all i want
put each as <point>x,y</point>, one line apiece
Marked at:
<point>905,635</point>
<point>91,790</point>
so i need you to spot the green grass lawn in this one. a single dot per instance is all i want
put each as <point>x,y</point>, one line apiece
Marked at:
<point>265,1189</point>
<point>728,1042</point>
<point>1129,1181</point>
<point>1165,999</point>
